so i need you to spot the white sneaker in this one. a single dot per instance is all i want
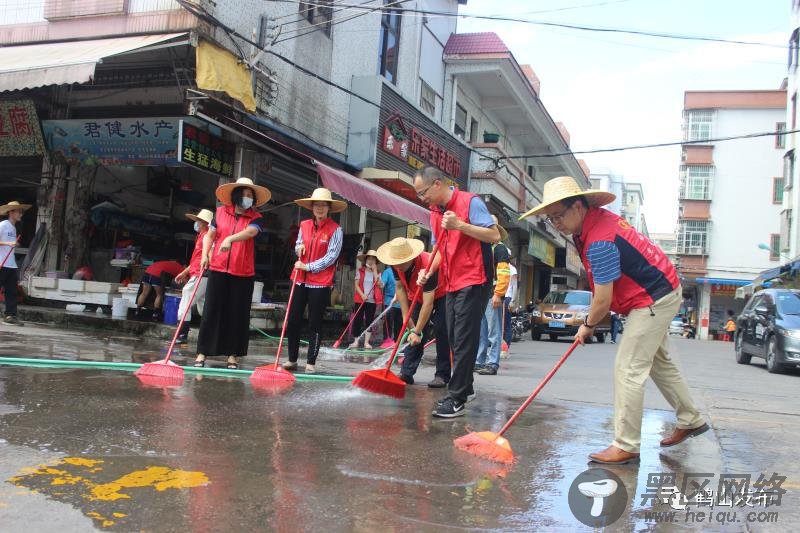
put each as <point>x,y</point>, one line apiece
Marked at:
<point>289,365</point>
<point>504,355</point>
<point>310,369</point>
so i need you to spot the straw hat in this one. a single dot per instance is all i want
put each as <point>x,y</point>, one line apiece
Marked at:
<point>399,250</point>
<point>322,195</point>
<point>362,257</point>
<point>13,206</point>
<point>262,193</point>
<point>203,216</point>
<point>558,189</point>
<point>503,232</point>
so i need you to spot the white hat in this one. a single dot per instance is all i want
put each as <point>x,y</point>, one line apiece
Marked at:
<point>322,195</point>
<point>563,187</point>
<point>203,216</point>
<point>262,193</point>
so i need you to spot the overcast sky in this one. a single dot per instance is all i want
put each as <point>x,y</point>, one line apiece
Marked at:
<point>612,89</point>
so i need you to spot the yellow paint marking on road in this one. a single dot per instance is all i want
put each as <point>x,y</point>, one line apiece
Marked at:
<point>160,478</point>
<point>105,522</point>
<point>119,515</point>
<point>80,461</point>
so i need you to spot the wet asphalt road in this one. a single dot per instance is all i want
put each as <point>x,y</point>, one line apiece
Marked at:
<point>90,449</point>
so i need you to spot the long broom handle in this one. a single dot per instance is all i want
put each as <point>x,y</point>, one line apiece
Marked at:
<point>352,319</point>
<point>286,319</point>
<point>410,311</point>
<point>185,312</point>
<point>10,249</point>
<point>538,388</point>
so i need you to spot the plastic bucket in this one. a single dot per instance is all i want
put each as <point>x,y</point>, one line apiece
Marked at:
<point>258,289</point>
<point>171,303</point>
<point>119,308</point>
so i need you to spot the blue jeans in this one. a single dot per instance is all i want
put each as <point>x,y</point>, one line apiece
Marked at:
<point>614,327</point>
<point>491,329</point>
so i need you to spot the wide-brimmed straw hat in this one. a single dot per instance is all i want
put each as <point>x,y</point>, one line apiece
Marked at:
<point>262,193</point>
<point>322,195</point>
<point>563,187</point>
<point>399,250</point>
<point>203,216</point>
<point>13,206</point>
<point>501,229</point>
<point>363,257</point>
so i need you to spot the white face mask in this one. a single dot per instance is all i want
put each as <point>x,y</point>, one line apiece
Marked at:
<point>245,202</point>
<point>197,227</point>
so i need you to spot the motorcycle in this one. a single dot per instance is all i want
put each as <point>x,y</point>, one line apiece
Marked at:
<point>689,331</point>
<point>520,323</point>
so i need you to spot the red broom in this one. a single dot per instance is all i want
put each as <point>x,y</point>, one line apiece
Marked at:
<point>384,381</point>
<point>352,319</point>
<point>274,376</point>
<point>494,446</point>
<point>10,249</point>
<point>166,370</point>
<point>503,343</point>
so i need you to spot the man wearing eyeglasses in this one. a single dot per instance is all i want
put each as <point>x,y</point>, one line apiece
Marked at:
<point>464,229</point>
<point>629,275</point>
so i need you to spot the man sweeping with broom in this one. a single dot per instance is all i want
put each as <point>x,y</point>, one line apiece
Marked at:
<point>463,229</point>
<point>631,276</point>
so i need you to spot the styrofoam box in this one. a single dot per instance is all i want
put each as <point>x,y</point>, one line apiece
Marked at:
<point>101,286</point>
<point>76,285</point>
<point>44,283</point>
<point>80,297</point>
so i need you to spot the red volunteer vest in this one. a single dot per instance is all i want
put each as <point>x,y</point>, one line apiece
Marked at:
<point>240,260</point>
<point>376,291</point>
<point>647,273</point>
<point>462,257</point>
<point>420,262</point>
<point>315,240</point>
<point>197,254</point>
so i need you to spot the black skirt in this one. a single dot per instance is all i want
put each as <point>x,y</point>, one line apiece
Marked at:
<point>225,328</point>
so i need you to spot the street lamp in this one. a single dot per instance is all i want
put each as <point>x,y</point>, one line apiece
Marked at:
<point>766,247</point>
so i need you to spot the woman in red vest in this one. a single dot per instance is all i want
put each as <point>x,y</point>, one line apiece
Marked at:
<point>225,329</point>
<point>319,242</point>
<point>368,292</point>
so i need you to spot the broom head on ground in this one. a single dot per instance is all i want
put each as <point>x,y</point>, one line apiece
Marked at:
<point>381,381</point>
<point>162,373</point>
<point>487,445</point>
<point>270,377</point>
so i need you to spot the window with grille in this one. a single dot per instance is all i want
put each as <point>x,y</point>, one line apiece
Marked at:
<point>788,170</point>
<point>427,98</point>
<point>460,128</point>
<point>780,139</point>
<point>698,124</point>
<point>774,246</point>
<point>389,44</point>
<point>777,190</point>
<point>696,182</point>
<point>319,13</point>
<point>693,237</point>
<point>794,46</point>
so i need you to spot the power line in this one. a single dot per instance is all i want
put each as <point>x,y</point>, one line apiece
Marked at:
<point>578,27</point>
<point>348,18</point>
<point>655,145</point>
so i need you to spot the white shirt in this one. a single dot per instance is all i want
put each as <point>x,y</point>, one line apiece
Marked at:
<point>8,233</point>
<point>369,281</point>
<point>511,292</point>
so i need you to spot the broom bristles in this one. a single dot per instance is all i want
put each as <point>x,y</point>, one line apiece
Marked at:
<point>487,445</point>
<point>161,369</point>
<point>267,374</point>
<point>381,382</point>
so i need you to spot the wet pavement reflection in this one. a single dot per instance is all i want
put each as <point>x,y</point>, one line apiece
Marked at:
<point>215,454</point>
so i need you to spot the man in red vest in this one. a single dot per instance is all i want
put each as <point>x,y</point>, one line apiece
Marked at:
<point>629,275</point>
<point>464,229</point>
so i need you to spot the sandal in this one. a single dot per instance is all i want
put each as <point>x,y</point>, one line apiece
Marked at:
<point>200,364</point>
<point>232,366</point>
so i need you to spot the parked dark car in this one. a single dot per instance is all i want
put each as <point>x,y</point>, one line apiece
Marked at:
<point>769,327</point>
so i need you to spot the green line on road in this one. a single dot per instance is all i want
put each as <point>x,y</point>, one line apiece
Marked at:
<point>131,367</point>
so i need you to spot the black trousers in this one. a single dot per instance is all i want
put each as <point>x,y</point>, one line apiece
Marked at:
<point>225,328</point>
<point>413,354</point>
<point>394,319</point>
<point>364,317</point>
<point>8,280</point>
<point>317,299</point>
<point>465,308</point>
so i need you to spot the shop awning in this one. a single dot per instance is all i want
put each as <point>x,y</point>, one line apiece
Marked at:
<point>723,281</point>
<point>39,65</point>
<point>399,183</point>
<point>370,196</point>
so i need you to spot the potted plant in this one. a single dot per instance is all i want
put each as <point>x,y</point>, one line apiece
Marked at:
<point>490,137</point>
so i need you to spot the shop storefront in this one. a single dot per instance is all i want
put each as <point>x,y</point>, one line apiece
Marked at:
<point>716,297</point>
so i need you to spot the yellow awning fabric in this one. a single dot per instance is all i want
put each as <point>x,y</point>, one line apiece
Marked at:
<point>220,70</point>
